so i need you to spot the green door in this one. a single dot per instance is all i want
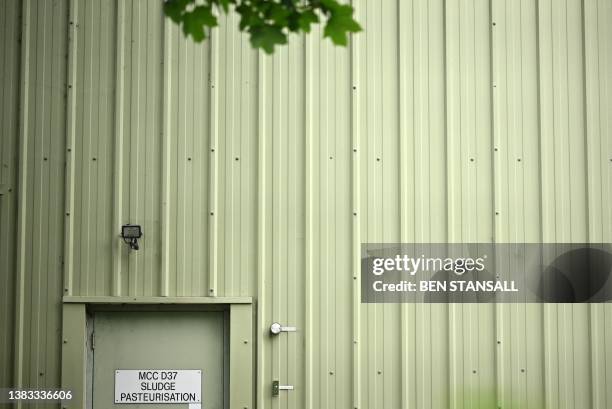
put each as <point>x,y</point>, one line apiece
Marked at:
<point>158,341</point>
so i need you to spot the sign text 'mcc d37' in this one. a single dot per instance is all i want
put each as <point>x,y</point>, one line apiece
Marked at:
<point>158,386</point>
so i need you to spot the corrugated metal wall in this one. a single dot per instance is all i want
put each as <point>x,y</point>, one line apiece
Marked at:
<point>34,47</point>
<point>9,77</point>
<point>455,120</point>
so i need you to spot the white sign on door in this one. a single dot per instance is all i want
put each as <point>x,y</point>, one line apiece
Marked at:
<point>158,386</point>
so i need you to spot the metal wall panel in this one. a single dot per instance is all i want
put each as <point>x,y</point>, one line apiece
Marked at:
<point>34,147</point>
<point>9,143</point>
<point>255,175</point>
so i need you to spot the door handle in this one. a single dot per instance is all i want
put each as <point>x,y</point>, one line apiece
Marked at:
<point>277,328</point>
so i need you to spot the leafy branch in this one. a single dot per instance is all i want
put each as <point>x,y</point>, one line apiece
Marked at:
<point>268,22</point>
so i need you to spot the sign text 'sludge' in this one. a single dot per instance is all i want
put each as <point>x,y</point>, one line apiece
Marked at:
<point>158,386</point>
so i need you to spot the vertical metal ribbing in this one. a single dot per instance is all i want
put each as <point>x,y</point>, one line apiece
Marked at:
<point>166,152</point>
<point>22,195</point>
<point>11,20</point>
<point>405,107</point>
<point>70,144</point>
<point>276,203</point>
<point>308,148</point>
<point>595,188</point>
<point>453,127</point>
<point>118,149</point>
<point>548,208</point>
<point>213,236</point>
<point>261,230</point>
<point>498,229</point>
<point>356,226</point>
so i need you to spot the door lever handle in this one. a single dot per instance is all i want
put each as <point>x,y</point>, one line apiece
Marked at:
<point>277,328</point>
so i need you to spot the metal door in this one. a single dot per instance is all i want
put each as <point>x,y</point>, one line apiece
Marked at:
<point>158,341</point>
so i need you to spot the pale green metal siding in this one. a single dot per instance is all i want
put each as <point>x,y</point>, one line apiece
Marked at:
<point>33,144</point>
<point>456,120</point>
<point>9,78</point>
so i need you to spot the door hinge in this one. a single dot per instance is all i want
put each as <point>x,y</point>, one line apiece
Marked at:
<point>93,341</point>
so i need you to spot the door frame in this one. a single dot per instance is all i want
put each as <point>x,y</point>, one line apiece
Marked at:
<point>74,339</point>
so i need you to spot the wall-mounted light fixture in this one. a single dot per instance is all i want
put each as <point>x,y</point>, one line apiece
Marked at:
<point>130,234</point>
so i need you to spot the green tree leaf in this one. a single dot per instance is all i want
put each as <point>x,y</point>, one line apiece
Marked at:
<point>266,37</point>
<point>196,20</point>
<point>175,9</point>
<point>267,21</point>
<point>306,19</point>
<point>225,5</point>
<point>278,14</point>
<point>340,23</point>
